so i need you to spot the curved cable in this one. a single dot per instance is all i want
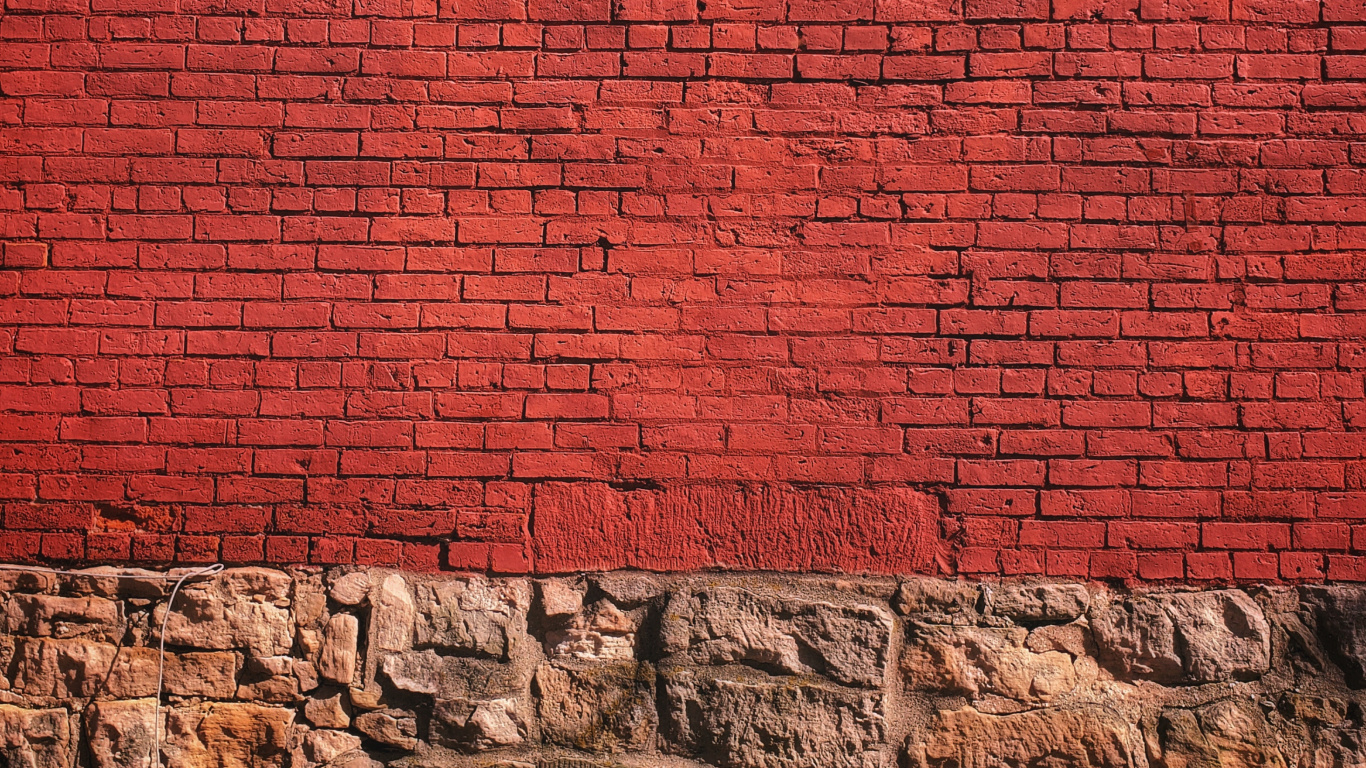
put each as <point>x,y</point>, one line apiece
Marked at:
<point>165,620</point>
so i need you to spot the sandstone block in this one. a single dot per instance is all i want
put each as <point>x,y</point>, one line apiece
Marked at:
<point>327,712</point>
<point>1341,617</point>
<point>121,733</point>
<point>473,616</point>
<point>395,727</point>
<point>597,707</point>
<point>350,588</point>
<point>337,661</point>
<point>391,615</point>
<point>763,722</point>
<point>1226,733</point>
<point>1040,602</point>
<point>602,632</point>
<point>976,661</point>
<point>478,726</point>
<point>1077,738</point>
<point>35,738</point>
<point>453,677</point>
<point>55,616</point>
<point>782,635</point>
<point>227,735</point>
<point>245,608</point>
<point>1184,637</point>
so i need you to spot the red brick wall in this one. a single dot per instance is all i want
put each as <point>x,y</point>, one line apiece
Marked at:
<point>985,286</point>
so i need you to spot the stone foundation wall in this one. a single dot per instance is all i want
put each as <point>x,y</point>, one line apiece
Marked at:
<point>353,668</point>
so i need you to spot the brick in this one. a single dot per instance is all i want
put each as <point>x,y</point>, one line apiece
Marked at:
<point>1097,274</point>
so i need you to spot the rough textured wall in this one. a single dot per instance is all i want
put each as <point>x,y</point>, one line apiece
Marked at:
<point>366,668</point>
<point>975,286</point>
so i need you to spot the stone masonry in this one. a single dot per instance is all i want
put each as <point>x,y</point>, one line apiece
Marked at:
<point>354,668</point>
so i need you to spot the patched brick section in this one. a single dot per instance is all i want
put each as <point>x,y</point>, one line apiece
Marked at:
<point>986,287</point>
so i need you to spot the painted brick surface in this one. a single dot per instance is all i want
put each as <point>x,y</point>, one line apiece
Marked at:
<point>978,287</point>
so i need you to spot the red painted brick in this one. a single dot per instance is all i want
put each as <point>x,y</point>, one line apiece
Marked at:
<point>381,324</point>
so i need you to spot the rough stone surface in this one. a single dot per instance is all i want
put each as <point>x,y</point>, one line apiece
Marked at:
<point>337,661</point>
<point>34,738</point>
<point>1039,602</point>
<point>361,668</point>
<point>973,661</point>
<point>478,726</point>
<point>756,722</point>
<point>795,637</point>
<point>598,632</point>
<point>1231,732</point>
<point>472,617</point>
<point>227,735</point>
<point>350,588</point>
<point>1341,619</point>
<point>327,712</point>
<point>1192,636</point>
<point>245,608</point>
<point>597,707</point>
<point>120,733</point>
<point>1076,738</point>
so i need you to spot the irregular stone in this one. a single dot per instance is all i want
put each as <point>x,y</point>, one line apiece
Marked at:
<point>324,746</point>
<point>478,726</point>
<point>120,733</point>
<point>395,727</point>
<point>350,588</point>
<point>452,677</point>
<point>309,601</point>
<point>974,661</point>
<point>597,707</point>
<point>472,616</point>
<point>792,636</point>
<point>365,698</point>
<point>1224,734</point>
<point>269,678</point>
<point>208,674</point>
<point>25,581</point>
<point>942,600</point>
<point>1341,617</point>
<point>1224,635</point>
<point>1320,710</point>
<point>1068,638</point>
<point>1039,602</point>
<point>560,597</point>
<point>227,735</point>
<point>55,616</point>
<point>245,608</point>
<point>35,738</point>
<point>307,675</point>
<point>391,615</point>
<point>79,669</point>
<point>1184,637</point>
<point>337,661</point>
<point>1137,637</point>
<point>327,712</point>
<point>1074,738</point>
<point>629,589</point>
<point>106,581</point>
<point>309,641</point>
<point>66,669</point>
<point>601,633</point>
<point>765,722</point>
